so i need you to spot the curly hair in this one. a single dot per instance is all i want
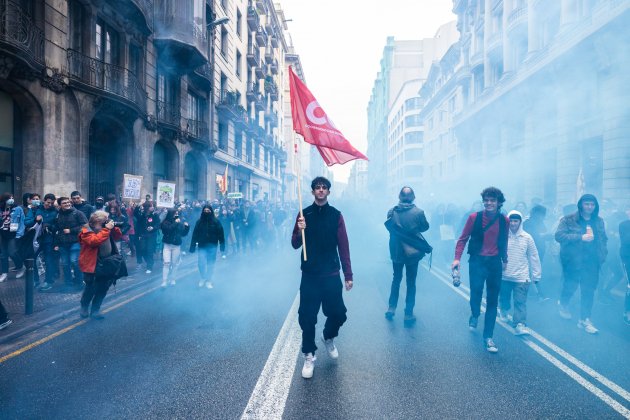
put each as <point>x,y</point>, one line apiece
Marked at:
<point>320,180</point>
<point>493,192</point>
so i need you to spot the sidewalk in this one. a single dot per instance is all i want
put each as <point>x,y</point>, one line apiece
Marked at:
<point>61,302</point>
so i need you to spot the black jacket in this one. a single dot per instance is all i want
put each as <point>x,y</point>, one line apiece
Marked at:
<point>146,220</point>
<point>207,232</point>
<point>173,232</point>
<point>72,219</point>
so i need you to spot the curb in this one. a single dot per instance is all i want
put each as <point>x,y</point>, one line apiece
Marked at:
<point>70,311</point>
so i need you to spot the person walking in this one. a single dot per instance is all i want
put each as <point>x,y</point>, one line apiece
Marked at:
<point>97,239</point>
<point>583,250</point>
<point>147,229</point>
<point>488,234</point>
<point>624,253</point>
<point>173,230</point>
<point>207,234</point>
<point>11,230</point>
<point>47,215</point>
<point>405,222</point>
<point>523,266</point>
<point>328,250</point>
<point>68,224</point>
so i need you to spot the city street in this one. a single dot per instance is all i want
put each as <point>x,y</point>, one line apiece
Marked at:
<point>223,353</point>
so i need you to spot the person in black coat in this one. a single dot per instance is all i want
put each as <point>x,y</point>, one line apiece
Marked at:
<point>147,228</point>
<point>208,233</point>
<point>173,230</point>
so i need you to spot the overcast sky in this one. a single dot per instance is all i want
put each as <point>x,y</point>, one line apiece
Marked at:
<point>340,43</point>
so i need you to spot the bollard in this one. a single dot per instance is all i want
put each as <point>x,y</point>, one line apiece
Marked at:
<point>28,286</point>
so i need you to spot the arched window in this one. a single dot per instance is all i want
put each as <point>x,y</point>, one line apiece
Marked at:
<point>160,165</point>
<point>6,142</point>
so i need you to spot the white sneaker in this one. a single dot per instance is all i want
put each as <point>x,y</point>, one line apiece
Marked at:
<point>173,283</point>
<point>563,311</point>
<point>20,273</point>
<point>201,283</point>
<point>163,285</point>
<point>521,329</point>
<point>330,347</point>
<point>490,346</point>
<point>209,285</point>
<point>3,277</point>
<point>147,272</point>
<point>504,316</point>
<point>587,326</point>
<point>309,365</point>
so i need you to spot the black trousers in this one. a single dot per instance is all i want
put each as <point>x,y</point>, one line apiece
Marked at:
<point>486,270</point>
<point>4,316</point>
<point>412,274</point>
<point>586,276</point>
<point>625,262</point>
<point>324,292</point>
<point>94,292</point>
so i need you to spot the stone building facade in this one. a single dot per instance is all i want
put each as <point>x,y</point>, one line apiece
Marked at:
<point>91,90</point>
<point>538,98</point>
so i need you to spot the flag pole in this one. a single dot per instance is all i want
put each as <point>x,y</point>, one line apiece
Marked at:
<point>299,190</point>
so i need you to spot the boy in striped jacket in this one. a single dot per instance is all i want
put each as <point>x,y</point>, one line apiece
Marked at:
<point>523,267</point>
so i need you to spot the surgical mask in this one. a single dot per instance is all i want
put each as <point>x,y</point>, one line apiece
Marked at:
<point>35,203</point>
<point>10,201</point>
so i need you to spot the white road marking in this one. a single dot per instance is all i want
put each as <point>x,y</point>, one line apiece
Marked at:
<point>615,405</point>
<point>272,389</point>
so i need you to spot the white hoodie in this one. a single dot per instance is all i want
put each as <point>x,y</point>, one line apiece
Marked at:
<point>523,257</point>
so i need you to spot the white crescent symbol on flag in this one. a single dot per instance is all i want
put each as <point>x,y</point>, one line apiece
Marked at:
<point>310,114</point>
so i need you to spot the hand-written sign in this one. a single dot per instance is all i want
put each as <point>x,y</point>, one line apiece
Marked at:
<point>132,184</point>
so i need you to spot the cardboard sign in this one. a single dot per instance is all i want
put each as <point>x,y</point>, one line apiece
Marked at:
<point>166,194</point>
<point>132,184</point>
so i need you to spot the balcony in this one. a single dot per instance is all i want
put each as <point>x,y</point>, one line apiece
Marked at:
<point>198,131</point>
<point>253,20</point>
<point>261,37</point>
<point>260,103</point>
<point>495,41</point>
<point>99,77</point>
<point>268,55</point>
<point>168,115</point>
<point>260,6</point>
<point>252,127</point>
<point>274,41</point>
<point>20,36</point>
<point>181,42</point>
<point>271,88</point>
<point>253,90</point>
<point>140,11</point>
<point>229,107</point>
<point>203,75</point>
<point>272,118</point>
<point>476,59</point>
<point>253,56</point>
<point>259,71</point>
<point>518,19</point>
<point>274,66</point>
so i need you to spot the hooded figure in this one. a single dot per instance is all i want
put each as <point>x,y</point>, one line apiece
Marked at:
<point>583,249</point>
<point>208,233</point>
<point>405,223</point>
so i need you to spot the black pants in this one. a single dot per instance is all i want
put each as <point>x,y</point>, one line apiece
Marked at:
<point>147,245</point>
<point>586,276</point>
<point>412,274</point>
<point>4,316</point>
<point>94,292</point>
<point>625,262</point>
<point>486,270</point>
<point>324,292</point>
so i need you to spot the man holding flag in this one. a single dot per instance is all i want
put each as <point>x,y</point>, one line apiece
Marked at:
<point>320,229</point>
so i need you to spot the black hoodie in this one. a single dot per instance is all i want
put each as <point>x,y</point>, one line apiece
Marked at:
<point>569,234</point>
<point>208,231</point>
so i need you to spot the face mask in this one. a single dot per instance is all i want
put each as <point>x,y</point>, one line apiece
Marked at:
<point>10,201</point>
<point>35,203</point>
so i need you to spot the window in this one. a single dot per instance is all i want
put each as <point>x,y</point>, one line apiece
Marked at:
<point>238,63</point>
<point>224,42</point>
<point>239,23</point>
<point>223,136</point>
<point>196,107</point>
<point>238,144</point>
<point>413,154</point>
<point>136,60</point>
<point>223,86</point>
<point>224,4</point>
<point>107,45</point>
<point>76,18</point>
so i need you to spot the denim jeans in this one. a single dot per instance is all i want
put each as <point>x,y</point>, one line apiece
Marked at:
<point>412,273</point>
<point>51,261</point>
<point>586,277</point>
<point>205,259</point>
<point>70,258</point>
<point>9,248</point>
<point>483,269</point>
<point>519,290</point>
<point>171,258</point>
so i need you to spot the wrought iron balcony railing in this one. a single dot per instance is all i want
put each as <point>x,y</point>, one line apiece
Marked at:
<point>146,7</point>
<point>169,114</point>
<point>18,30</point>
<point>261,36</point>
<point>253,56</point>
<point>115,80</point>
<point>199,130</point>
<point>253,20</point>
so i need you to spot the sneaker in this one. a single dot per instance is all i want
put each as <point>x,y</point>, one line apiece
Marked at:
<point>201,283</point>
<point>9,322</point>
<point>409,320</point>
<point>147,272</point>
<point>309,365</point>
<point>84,312</point>
<point>490,346</point>
<point>472,323</point>
<point>20,273</point>
<point>163,285</point>
<point>564,312</point>
<point>521,329</point>
<point>587,326</point>
<point>390,313</point>
<point>504,316</point>
<point>173,283</point>
<point>98,315</point>
<point>209,285</point>
<point>45,287</point>
<point>3,277</point>
<point>330,347</point>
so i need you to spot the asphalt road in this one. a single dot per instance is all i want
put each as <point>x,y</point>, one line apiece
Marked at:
<point>196,353</point>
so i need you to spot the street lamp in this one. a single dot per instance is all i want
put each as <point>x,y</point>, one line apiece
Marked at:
<point>219,21</point>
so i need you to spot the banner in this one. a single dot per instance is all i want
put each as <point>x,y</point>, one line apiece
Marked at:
<point>166,194</point>
<point>132,184</point>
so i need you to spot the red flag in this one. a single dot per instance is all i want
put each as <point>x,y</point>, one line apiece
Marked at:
<point>310,120</point>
